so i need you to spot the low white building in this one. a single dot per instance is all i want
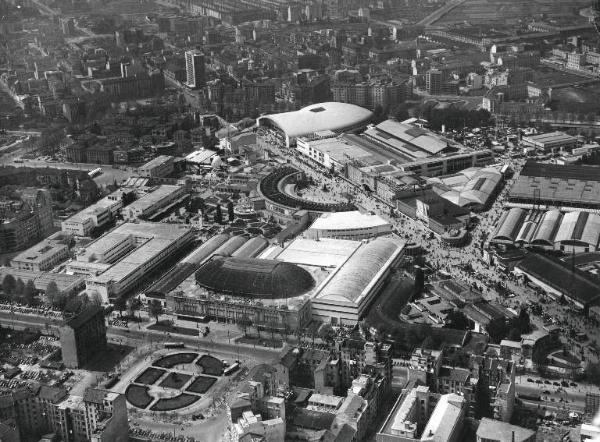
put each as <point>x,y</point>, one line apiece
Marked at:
<point>158,167</point>
<point>348,225</point>
<point>96,215</point>
<point>43,256</point>
<point>152,203</point>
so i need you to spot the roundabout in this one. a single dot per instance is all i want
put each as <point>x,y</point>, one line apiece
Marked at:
<point>174,381</point>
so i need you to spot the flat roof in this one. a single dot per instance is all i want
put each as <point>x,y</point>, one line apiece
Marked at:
<point>99,206</point>
<point>444,420</point>
<point>553,272</point>
<point>325,252</point>
<point>159,236</point>
<point>158,161</point>
<point>200,156</point>
<point>348,220</point>
<point>550,138</point>
<point>578,172</point>
<point>326,399</point>
<point>502,431</point>
<point>152,198</point>
<point>403,408</point>
<point>40,251</point>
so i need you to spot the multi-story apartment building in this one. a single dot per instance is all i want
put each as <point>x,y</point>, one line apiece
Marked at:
<point>97,416</point>
<point>25,220</point>
<point>371,94</point>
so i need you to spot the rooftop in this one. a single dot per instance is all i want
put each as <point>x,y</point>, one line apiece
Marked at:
<point>84,317</point>
<point>551,137</point>
<point>503,431</point>
<point>325,252</point>
<point>553,272</point>
<point>352,281</point>
<point>253,277</point>
<point>412,140</point>
<point>162,159</point>
<point>445,418</point>
<point>319,117</point>
<point>348,221</point>
<point>40,252</point>
<point>152,198</point>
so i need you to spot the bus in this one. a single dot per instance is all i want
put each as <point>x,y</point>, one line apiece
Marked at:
<point>174,345</point>
<point>95,172</point>
<point>231,369</point>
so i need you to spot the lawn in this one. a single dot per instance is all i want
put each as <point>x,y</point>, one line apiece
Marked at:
<point>201,384</point>
<point>181,401</point>
<point>175,380</point>
<point>174,329</point>
<point>175,359</point>
<point>150,376</point>
<point>138,396</point>
<point>210,365</point>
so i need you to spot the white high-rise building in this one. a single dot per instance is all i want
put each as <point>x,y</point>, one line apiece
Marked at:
<point>194,66</point>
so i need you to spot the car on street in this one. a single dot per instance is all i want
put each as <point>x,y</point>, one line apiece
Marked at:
<point>529,380</point>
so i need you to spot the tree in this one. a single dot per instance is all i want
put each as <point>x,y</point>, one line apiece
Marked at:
<point>457,320</point>
<point>155,309</point>
<point>120,305</point>
<point>326,333</point>
<point>19,288</point>
<point>244,323</point>
<point>230,212</point>
<point>29,293</point>
<point>52,292</point>
<point>524,322</point>
<point>134,304</point>
<point>401,112</point>
<point>218,215</point>
<point>497,329</point>
<point>8,285</point>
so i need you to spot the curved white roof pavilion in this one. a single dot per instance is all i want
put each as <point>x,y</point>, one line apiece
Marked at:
<point>328,116</point>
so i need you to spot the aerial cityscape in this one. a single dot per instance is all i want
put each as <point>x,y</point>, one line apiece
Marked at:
<point>299,220</point>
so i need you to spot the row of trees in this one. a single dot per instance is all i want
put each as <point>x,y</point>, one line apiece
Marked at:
<point>15,290</point>
<point>324,332</point>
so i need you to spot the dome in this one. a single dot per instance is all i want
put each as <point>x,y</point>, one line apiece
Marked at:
<point>257,278</point>
<point>318,117</point>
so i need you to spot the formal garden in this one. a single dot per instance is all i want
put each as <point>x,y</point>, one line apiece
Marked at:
<point>174,381</point>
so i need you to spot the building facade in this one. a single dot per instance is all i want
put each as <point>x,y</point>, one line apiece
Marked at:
<point>82,337</point>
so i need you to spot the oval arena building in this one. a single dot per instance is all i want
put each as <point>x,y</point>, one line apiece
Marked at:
<point>328,116</point>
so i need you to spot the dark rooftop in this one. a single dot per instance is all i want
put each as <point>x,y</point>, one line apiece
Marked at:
<point>572,283</point>
<point>94,395</point>
<point>261,278</point>
<point>573,172</point>
<point>84,316</point>
<point>313,420</point>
